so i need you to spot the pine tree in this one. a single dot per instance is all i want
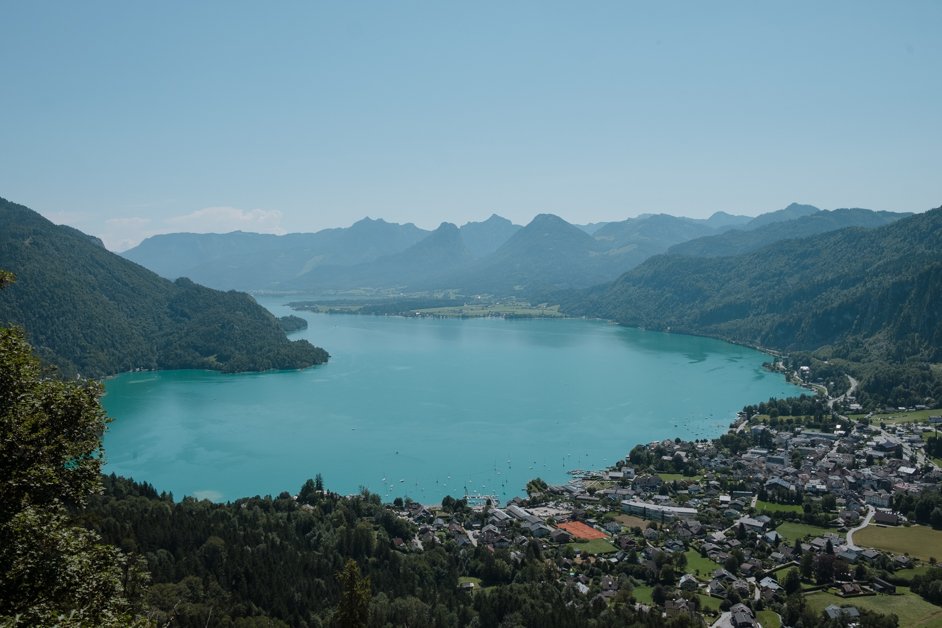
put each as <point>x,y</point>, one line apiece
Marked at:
<point>354,609</point>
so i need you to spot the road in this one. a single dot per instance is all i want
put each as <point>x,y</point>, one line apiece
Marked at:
<point>866,522</point>
<point>850,392</point>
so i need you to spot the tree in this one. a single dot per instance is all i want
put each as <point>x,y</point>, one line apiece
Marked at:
<point>50,460</point>
<point>658,595</point>
<point>824,568</point>
<point>354,609</point>
<point>792,581</point>
<point>807,565</point>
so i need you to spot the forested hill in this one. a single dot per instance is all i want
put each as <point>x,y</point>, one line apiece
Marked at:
<point>89,311</point>
<point>866,293</point>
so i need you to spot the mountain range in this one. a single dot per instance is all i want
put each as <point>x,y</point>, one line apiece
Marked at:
<point>493,257</point>
<point>91,312</point>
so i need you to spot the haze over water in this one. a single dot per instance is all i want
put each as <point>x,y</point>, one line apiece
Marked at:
<point>429,407</point>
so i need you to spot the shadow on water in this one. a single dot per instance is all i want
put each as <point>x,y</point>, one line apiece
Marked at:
<point>695,348</point>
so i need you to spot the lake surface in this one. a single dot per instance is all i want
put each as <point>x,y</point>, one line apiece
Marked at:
<point>429,407</point>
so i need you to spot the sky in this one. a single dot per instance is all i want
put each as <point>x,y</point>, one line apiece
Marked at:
<point>127,119</point>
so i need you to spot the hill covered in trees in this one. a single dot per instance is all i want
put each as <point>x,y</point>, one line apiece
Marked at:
<point>92,312</point>
<point>861,295</point>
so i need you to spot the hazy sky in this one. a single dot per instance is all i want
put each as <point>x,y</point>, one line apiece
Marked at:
<point>126,119</point>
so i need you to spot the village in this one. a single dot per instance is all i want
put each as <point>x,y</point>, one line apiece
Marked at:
<point>781,517</point>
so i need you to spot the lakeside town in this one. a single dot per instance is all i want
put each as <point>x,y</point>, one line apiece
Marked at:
<point>796,513</point>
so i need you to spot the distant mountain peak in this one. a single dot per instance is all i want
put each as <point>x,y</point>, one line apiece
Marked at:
<point>792,207</point>
<point>540,219</point>
<point>793,211</point>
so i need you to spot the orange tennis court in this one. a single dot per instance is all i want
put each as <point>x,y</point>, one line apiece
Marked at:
<point>580,530</point>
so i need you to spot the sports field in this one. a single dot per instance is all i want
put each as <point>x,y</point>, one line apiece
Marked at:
<point>580,530</point>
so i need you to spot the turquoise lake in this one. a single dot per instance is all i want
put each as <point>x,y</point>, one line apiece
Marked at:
<point>429,407</point>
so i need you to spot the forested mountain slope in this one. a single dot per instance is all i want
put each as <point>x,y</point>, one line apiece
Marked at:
<point>868,293</point>
<point>89,311</point>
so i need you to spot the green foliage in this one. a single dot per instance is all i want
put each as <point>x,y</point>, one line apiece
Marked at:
<point>89,311</point>
<point>52,571</point>
<point>924,507</point>
<point>929,585</point>
<point>354,608</point>
<point>278,559</point>
<point>867,296</point>
<point>292,323</point>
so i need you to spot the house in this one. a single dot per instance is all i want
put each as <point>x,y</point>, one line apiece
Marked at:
<point>869,555</point>
<point>499,518</point>
<point>837,612</point>
<point>489,533</point>
<point>850,588</point>
<point>688,583</point>
<point>741,587</point>
<point>742,617</point>
<point>677,607</point>
<point>647,482</point>
<point>849,555</point>
<point>769,583</point>
<point>886,518</point>
<point>752,525</point>
<point>882,586</point>
<point>880,499</point>
<point>778,485</point>
<point>560,536</point>
<point>716,588</point>
<point>612,527</point>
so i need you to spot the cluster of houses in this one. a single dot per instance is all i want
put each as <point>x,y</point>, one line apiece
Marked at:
<point>648,520</point>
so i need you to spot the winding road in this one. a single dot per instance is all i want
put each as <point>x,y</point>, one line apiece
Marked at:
<point>850,392</point>
<point>866,522</point>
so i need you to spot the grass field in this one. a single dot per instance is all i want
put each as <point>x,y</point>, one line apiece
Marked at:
<point>709,603</point>
<point>643,595</point>
<point>917,541</point>
<point>597,546</point>
<point>791,531</point>
<point>699,566</point>
<point>769,619</point>
<point>892,418</point>
<point>908,574</point>
<point>631,522</point>
<point>761,505</point>
<point>911,609</point>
